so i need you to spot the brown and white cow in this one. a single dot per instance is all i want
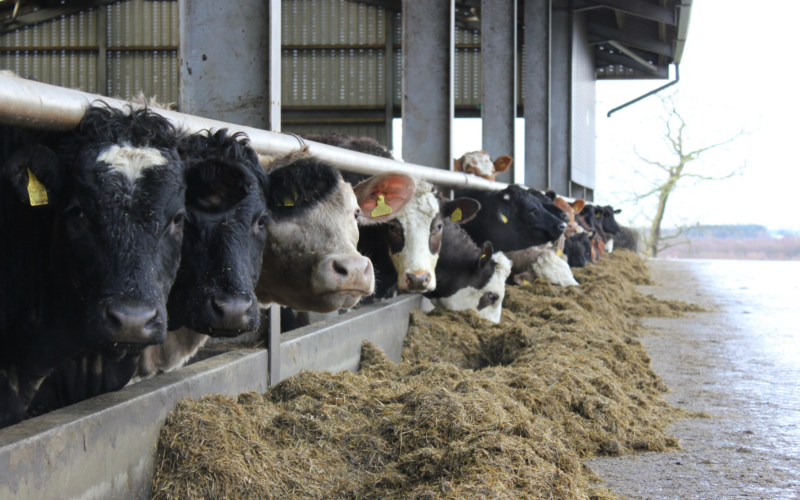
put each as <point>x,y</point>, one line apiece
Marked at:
<point>480,163</point>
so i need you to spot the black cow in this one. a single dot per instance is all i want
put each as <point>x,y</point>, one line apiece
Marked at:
<point>92,265</point>
<point>512,219</point>
<point>578,249</point>
<point>213,294</point>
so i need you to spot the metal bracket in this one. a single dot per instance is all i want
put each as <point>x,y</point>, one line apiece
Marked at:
<point>656,91</point>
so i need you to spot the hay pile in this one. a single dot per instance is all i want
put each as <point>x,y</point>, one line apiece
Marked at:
<point>475,410</point>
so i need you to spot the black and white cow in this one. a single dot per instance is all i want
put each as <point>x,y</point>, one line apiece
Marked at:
<point>469,276</point>
<point>604,218</point>
<point>91,264</point>
<point>405,250</point>
<point>512,219</point>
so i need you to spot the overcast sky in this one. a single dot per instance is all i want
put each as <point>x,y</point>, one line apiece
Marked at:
<point>739,72</point>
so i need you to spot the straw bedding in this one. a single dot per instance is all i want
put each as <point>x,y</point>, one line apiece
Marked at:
<point>474,410</point>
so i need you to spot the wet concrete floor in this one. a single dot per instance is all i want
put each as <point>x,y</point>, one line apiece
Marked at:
<point>740,365</point>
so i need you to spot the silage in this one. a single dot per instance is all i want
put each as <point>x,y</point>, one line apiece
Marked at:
<point>475,410</point>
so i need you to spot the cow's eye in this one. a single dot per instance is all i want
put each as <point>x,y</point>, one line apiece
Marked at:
<point>438,228</point>
<point>262,220</point>
<point>179,218</point>
<point>74,211</point>
<point>357,213</point>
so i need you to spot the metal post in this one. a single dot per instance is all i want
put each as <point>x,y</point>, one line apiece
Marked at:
<point>274,56</point>
<point>428,55</point>
<point>102,44</point>
<point>389,75</point>
<point>561,98</point>
<point>537,93</point>
<point>499,67</point>
<point>224,73</point>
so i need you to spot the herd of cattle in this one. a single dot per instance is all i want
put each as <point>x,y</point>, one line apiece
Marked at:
<point>126,242</point>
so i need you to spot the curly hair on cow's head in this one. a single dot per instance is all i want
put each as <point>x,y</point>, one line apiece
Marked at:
<point>300,186</point>
<point>103,124</point>
<point>221,146</point>
<point>221,163</point>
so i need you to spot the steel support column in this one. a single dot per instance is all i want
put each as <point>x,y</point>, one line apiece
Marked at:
<point>428,56</point>
<point>561,98</point>
<point>499,67</point>
<point>537,93</point>
<point>274,124</point>
<point>224,72</point>
<point>389,78</point>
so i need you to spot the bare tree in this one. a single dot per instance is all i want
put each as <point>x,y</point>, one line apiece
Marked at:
<point>668,176</point>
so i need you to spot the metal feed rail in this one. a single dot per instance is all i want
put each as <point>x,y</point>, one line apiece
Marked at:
<point>38,105</point>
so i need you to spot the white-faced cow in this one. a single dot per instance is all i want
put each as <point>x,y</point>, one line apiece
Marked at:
<point>311,262</point>
<point>512,219</point>
<point>479,163</point>
<point>469,277</point>
<point>405,250</point>
<point>92,233</point>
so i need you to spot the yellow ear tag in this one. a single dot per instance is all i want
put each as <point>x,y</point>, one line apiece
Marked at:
<point>526,282</point>
<point>505,219</point>
<point>36,191</point>
<point>457,215</point>
<point>482,256</point>
<point>559,252</point>
<point>382,208</point>
<point>288,202</point>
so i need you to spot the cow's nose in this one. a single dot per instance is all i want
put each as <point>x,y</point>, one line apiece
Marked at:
<point>230,311</point>
<point>134,324</point>
<point>352,266</point>
<point>418,281</point>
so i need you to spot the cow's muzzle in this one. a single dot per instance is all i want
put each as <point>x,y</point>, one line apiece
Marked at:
<point>134,323</point>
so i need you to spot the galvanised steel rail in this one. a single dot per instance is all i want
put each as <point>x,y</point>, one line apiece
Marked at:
<point>37,105</point>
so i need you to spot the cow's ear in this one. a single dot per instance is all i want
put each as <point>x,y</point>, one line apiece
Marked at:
<point>383,196</point>
<point>36,174</point>
<point>486,255</point>
<point>617,211</point>
<point>501,164</point>
<point>461,210</point>
<point>525,278</point>
<point>457,165</point>
<point>578,204</point>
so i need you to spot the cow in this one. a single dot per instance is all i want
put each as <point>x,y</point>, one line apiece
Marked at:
<point>608,227</point>
<point>213,294</point>
<point>512,219</point>
<point>479,163</point>
<point>469,276</point>
<point>94,222</point>
<point>578,249</point>
<point>628,238</point>
<point>544,261</point>
<point>404,251</point>
<point>311,261</point>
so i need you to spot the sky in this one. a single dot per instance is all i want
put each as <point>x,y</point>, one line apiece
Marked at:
<point>738,74</point>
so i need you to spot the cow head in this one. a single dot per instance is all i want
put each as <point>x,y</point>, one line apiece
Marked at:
<point>119,227</point>
<point>480,163</point>
<point>224,236</point>
<point>512,219</point>
<point>470,277</point>
<point>578,249</point>
<point>310,259</point>
<point>586,217</point>
<point>570,209</point>
<point>610,225</point>
<point>415,235</point>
